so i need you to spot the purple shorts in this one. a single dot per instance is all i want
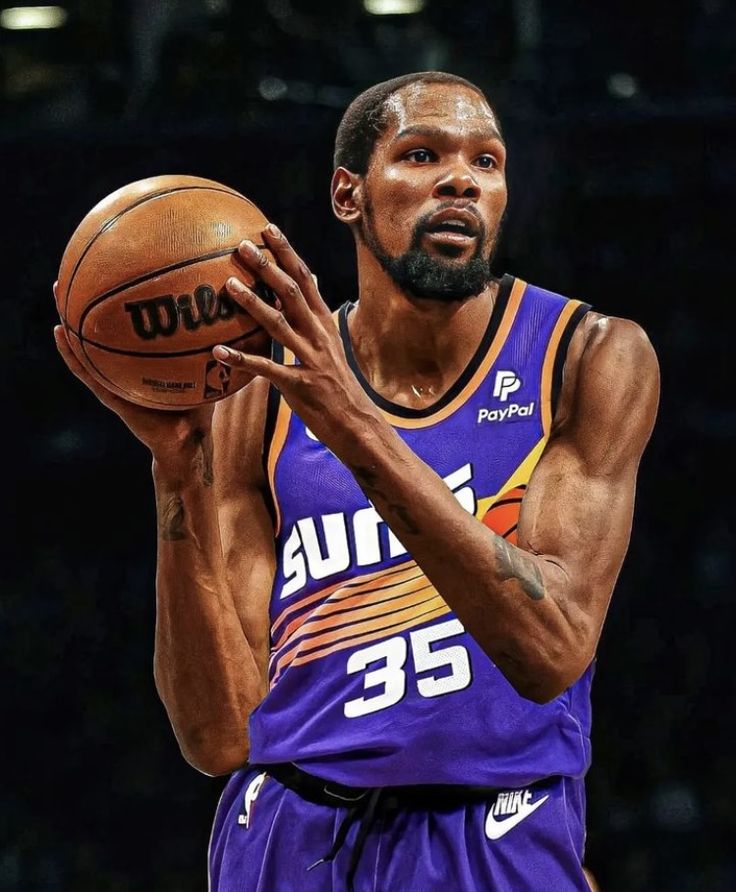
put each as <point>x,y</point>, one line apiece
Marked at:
<point>266,837</point>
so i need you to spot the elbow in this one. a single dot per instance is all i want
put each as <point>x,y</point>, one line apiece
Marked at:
<point>544,690</point>
<point>214,760</point>
<point>542,678</point>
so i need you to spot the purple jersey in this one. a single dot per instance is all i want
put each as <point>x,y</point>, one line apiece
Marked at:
<point>373,679</point>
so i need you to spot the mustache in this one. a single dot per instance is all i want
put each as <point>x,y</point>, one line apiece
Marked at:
<point>423,225</point>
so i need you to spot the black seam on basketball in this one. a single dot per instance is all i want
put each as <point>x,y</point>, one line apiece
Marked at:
<point>111,222</point>
<point>190,261</point>
<point>116,388</point>
<point>118,391</point>
<point>509,531</point>
<point>505,502</point>
<point>167,355</point>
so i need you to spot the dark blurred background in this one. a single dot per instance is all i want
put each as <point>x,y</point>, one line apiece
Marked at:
<point>621,125</point>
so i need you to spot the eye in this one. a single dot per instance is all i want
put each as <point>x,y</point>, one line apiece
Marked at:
<point>486,161</point>
<point>421,156</point>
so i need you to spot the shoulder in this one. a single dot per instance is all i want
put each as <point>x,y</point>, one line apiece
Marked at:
<point>611,373</point>
<point>611,345</point>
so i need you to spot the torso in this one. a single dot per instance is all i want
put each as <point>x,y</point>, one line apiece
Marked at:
<point>369,668</point>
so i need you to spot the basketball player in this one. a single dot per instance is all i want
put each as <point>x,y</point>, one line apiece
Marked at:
<point>384,565</point>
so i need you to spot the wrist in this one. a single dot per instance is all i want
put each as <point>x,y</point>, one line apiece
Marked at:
<point>364,439</point>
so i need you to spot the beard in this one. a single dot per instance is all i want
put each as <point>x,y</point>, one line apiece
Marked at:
<point>434,277</point>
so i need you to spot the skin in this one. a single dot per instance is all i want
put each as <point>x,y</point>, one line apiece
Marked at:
<point>536,610</point>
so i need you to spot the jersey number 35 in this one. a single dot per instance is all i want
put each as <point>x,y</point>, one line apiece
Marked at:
<point>386,685</point>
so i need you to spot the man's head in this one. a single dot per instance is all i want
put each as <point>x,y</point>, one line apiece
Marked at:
<point>419,177</point>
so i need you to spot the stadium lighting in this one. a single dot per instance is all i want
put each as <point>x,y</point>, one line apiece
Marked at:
<point>393,7</point>
<point>32,18</point>
<point>623,85</point>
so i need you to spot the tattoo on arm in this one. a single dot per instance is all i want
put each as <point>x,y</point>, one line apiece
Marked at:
<point>171,518</point>
<point>513,563</point>
<point>366,477</point>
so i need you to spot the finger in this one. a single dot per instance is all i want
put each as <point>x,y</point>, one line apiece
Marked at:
<point>279,281</point>
<point>105,396</point>
<point>291,263</point>
<point>273,321</point>
<point>277,374</point>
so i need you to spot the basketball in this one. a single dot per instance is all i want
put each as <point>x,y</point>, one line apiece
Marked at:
<point>503,515</point>
<point>141,290</point>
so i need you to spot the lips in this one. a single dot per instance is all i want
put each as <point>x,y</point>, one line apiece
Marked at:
<point>454,221</point>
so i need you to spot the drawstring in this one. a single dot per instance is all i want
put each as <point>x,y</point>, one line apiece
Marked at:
<point>365,807</point>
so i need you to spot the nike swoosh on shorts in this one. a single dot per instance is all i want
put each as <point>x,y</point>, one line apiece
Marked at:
<point>496,829</point>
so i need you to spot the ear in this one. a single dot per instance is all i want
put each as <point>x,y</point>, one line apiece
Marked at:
<point>347,195</point>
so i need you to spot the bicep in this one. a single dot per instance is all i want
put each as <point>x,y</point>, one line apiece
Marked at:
<point>577,512</point>
<point>248,548</point>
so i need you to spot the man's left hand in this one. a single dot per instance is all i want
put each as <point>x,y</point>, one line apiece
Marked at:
<point>320,387</point>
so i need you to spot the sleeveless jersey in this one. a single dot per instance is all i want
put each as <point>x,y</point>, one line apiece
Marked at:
<point>373,679</point>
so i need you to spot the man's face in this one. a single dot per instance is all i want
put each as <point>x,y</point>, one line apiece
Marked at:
<point>435,192</point>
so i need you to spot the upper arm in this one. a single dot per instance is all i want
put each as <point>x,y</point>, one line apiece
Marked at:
<point>246,528</point>
<point>578,509</point>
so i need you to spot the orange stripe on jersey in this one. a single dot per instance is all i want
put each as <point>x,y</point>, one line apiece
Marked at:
<point>277,444</point>
<point>420,614</point>
<point>347,598</point>
<point>352,586</point>
<point>517,292</point>
<point>345,624</point>
<point>334,613</point>
<point>549,362</point>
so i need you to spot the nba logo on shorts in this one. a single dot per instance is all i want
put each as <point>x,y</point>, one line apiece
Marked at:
<point>251,794</point>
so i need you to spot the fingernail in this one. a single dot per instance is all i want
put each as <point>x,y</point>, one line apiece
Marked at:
<point>247,243</point>
<point>220,352</point>
<point>235,284</point>
<point>274,230</point>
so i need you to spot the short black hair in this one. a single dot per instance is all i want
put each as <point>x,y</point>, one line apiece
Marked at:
<point>365,118</point>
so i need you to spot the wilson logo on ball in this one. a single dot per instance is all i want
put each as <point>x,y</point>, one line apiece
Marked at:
<point>162,316</point>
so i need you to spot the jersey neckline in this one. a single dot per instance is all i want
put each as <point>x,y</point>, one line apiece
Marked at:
<point>395,409</point>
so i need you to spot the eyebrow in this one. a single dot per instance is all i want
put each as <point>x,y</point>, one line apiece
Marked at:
<point>424,130</point>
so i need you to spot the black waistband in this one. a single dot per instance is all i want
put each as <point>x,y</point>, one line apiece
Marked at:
<point>366,804</point>
<point>436,797</point>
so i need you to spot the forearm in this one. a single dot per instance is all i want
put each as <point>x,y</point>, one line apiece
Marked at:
<point>205,669</point>
<point>509,600</point>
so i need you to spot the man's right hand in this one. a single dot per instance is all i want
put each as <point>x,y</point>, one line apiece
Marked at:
<point>172,436</point>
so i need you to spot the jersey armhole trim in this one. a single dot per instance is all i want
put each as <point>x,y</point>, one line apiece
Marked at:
<point>278,415</point>
<point>272,411</point>
<point>554,360</point>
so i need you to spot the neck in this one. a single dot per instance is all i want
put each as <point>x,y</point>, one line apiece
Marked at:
<point>412,350</point>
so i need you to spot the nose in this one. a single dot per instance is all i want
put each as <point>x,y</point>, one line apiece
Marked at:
<point>458,182</point>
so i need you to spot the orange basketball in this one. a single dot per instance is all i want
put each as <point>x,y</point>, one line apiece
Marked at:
<point>142,295</point>
<point>503,515</point>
